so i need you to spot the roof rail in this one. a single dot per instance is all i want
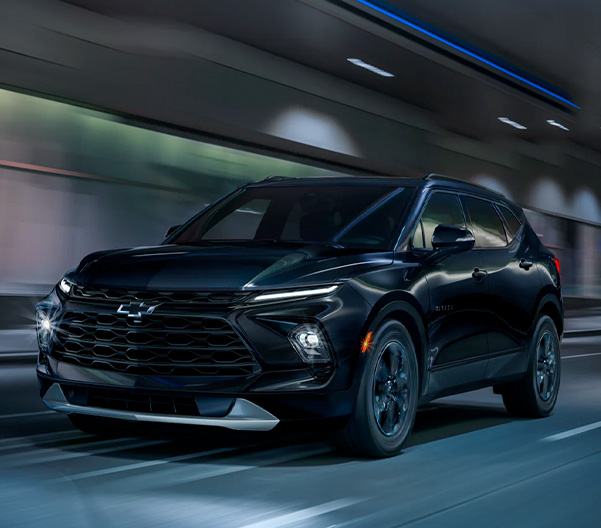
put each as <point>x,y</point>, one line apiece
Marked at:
<point>442,177</point>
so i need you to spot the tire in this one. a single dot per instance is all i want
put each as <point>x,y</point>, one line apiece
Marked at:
<point>98,426</point>
<point>386,404</point>
<point>534,396</point>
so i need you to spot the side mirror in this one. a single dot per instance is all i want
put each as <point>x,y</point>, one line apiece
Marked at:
<point>452,238</point>
<point>172,230</point>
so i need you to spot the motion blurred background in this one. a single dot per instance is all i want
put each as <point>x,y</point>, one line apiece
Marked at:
<point>120,119</point>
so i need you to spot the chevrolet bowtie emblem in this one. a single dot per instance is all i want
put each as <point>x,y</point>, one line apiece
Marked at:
<point>135,310</point>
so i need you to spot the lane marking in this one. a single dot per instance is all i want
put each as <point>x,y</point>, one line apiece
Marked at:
<point>23,415</point>
<point>35,448</point>
<point>79,454</point>
<point>46,450</point>
<point>149,463</point>
<point>70,433</point>
<point>218,470</point>
<point>581,355</point>
<point>305,514</point>
<point>573,432</point>
<point>210,470</point>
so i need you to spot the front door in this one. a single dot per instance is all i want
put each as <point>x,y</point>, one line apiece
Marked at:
<point>457,319</point>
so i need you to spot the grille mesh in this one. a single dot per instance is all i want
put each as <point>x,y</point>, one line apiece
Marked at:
<point>158,345</point>
<point>177,297</point>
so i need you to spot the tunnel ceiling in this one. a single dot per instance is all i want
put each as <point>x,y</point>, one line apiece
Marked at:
<point>555,46</point>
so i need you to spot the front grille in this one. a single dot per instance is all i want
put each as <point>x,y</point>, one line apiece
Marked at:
<point>174,345</point>
<point>175,297</point>
<point>134,401</point>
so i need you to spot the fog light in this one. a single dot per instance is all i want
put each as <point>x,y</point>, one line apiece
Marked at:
<point>310,344</point>
<point>308,339</point>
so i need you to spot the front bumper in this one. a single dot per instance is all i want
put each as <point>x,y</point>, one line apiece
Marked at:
<point>284,406</point>
<point>243,415</point>
<point>282,389</point>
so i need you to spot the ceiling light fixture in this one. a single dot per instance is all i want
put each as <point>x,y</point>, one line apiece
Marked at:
<point>509,122</point>
<point>479,57</point>
<point>370,67</point>
<point>558,125</point>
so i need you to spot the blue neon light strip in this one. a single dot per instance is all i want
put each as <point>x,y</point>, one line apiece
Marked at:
<point>465,51</point>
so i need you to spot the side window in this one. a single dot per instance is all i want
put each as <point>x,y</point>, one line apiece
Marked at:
<point>511,222</point>
<point>485,222</point>
<point>442,208</point>
<point>418,236</point>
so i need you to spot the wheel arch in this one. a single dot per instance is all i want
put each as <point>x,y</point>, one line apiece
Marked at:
<point>407,312</point>
<point>550,305</point>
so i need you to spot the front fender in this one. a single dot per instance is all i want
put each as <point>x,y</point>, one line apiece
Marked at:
<point>411,317</point>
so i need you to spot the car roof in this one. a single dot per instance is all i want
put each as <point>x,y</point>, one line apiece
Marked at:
<point>317,181</point>
<point>437,181</point>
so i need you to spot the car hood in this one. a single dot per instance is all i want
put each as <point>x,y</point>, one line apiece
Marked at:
<point>224,267</point>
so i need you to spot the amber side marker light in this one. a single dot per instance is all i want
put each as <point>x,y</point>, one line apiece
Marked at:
<point>556,262</point>
<point>366,343</point>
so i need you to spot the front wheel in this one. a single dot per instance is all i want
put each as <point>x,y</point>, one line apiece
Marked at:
<point>387,399</point>
<point>535,395</point>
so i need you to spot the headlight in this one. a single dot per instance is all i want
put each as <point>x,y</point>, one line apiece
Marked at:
<point>44,327</point>
<point>295,294</point>
<point>65,285</point>
<point>310,343</point>
<point>45,313</point>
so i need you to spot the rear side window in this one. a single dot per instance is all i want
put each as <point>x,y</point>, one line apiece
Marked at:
<point>442,208</point>
<point>487,227</point>
<point>511,222</point>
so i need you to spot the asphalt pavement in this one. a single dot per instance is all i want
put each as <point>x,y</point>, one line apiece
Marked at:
<point>468,464</point>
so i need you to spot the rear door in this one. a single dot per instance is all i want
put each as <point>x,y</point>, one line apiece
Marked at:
<point>513,281</point>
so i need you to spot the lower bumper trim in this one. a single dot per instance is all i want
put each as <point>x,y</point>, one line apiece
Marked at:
<point>244,415</point>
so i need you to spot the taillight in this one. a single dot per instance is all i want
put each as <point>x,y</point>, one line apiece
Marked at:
<point>556,262</point>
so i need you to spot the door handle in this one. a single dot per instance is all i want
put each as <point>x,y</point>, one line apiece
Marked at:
<point>478,274</point>
<point>526,264</point>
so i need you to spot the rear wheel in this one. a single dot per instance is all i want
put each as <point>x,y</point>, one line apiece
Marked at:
<point>535,395</point>
<point>387,399</point>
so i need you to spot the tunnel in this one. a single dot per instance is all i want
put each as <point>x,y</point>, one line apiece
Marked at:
<point>235,234</point>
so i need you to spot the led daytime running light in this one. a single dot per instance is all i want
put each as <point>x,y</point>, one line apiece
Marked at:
<point>280,296</point>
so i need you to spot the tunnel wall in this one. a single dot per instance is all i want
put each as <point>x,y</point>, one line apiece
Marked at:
<point>74,180</point>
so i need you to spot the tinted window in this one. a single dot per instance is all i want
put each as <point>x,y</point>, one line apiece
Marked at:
<point>242,223</point>
<point>418,236</point>
<point>362,216</point>
<point>511,222</point>
<point>377,225</point>
<point>442,208</point>
<point>485,223</point>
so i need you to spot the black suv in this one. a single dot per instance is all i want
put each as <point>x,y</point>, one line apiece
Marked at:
<point>349,300</point>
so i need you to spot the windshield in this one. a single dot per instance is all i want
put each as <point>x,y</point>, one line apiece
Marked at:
<point>353,216</point>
